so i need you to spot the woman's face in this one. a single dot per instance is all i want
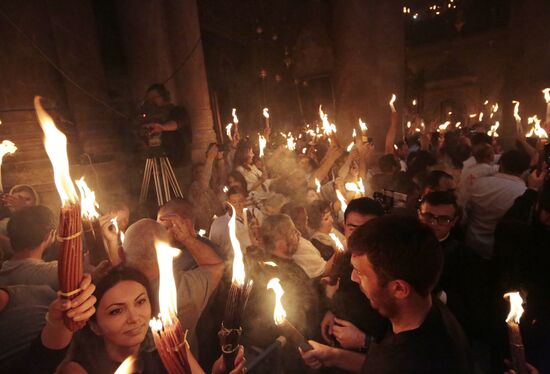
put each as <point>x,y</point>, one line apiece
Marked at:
<point>326,222</point>
<point>26,196</point>
<point>249,156</point>
<point>123,314</point>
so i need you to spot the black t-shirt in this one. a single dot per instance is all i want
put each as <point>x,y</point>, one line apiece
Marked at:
<point>437,346</point>
<point>177,144</point>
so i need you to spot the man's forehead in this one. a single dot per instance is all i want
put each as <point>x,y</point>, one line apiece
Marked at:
<point>437,208</point>
<point>356,218</point>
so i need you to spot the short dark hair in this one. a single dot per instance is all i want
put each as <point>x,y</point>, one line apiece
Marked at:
<point>235,190</point>
<point>514,162</point>
<point>28,227</point>
<point>437,198</point>
<point>365,206</point>
<point>315,212</point>
<point>387,163</point>
<point>119,274</point>
<point>435,176</point>
<point>239,177</point>
<point>400,247</point>
<point>481,138</point>
<point>161,89</point>
<point>483,153</point>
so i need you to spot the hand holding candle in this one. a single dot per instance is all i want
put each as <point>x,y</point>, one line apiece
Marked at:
<point>514,334</point>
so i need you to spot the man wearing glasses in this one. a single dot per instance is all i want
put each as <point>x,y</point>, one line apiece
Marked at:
<point>465,283</point>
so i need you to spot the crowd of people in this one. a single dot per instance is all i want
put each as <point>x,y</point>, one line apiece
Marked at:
<point>434,231</point>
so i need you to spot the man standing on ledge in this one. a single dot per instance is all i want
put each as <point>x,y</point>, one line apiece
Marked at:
<point>172,123</point>
<point>397,262</point>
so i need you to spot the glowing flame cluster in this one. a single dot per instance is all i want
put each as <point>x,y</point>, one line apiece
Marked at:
<point>546,93</point>
<point>444,126</point>
<point>342,199</point>
<point>238,264</point>
<point>328,128</point>
<point>516,308</point>
<point>363,126</point>
<point>55,143</point>
<point>228,130</point>
<point>7,147</point>
<point>493,130</point>
<point>279,313</point>
<point>128,366</point>
<point>168,297</point>
<point>358,187</point>
<point>536,130</point>
<point>516,110</point>
<point>318,184</point>
<point>87,201</point>
<point>265,112</point>
<point>337,242</point>
<point>234,115</point>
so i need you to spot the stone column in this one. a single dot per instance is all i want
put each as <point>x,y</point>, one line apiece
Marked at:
<point>369,63</point>
<point>190,79</point>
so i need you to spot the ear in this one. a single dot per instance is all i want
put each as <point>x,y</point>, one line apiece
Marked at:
<point>49,238</point>
<point>400,289</point>
<point>94,327</point>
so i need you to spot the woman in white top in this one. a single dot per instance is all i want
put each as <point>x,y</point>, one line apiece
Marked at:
<point>254,177</point>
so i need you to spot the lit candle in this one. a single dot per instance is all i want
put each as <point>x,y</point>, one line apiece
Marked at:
<point>6,147</point>
<point>517,350</point>
<point>519,127</point>
<point>546,92</point>
<point>392,102</point>
<point>266,116</point>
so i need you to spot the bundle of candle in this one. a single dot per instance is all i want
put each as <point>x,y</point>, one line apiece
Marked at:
<point>517,350</point>
<point>69,232</point>
<point>279,317</point>
<point>6,147</point>
<point>93,237</point>
<point>231,329</point>
<point>337,261</point>
<point>169,337</point>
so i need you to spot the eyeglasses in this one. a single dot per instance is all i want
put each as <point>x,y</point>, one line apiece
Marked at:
<point>431,218</point>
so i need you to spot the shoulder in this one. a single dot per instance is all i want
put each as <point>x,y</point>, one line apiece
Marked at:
<point>71,367</point>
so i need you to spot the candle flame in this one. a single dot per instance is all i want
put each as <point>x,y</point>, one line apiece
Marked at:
<point>350,146</point>
<point>458,125</point>
<point>87,201</point>
<point>238,264</point>
<point>546,93</point>
<point>480,116</point>
<point>516,310</point>
<point>363,126</point>
<point>290,143</point>
<point>270,263</point>
<point>55,143</point>
<point>337,242</point>
<point>262,142</point>
<point>342,200</point>
<point>6,147</point>
<point>354,134</point>
<point>128,366</point>
<point>392,101</point>
<point>279,313</point>
<point>168,296</point>
<point>536,130</point>
<point>414,102</point>
<point>494,109</point>
<point>486,102</point>
<point>318,184</point>
<point>234,114</point>
<point>473,115</point>
<point>266,112</point>
<point>493,131</point>
<point>516,110</point>
<point>328,128</point>
<point>409,124</point>
<point>202,232</point>
<point>444,126</point>
<point>228,131</point>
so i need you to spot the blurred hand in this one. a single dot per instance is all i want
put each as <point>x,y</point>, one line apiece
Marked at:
<point>212,152</point>
<point>181,229</point>
<point>108,230</point>
<point>535,180</point>
<point>349,336</point>
<point>155,128</point>
<point>14,202</point>
<point>219,365</point>
<point>321,355</point>
<point>530,368</point>
<point>326,327</point>
<point>81,308</point>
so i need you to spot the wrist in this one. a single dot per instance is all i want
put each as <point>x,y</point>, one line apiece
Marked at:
<point>53,322</point>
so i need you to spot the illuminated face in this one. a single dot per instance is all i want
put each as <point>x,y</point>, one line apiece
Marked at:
<point>353,221</point>
<point>153,97</point>
<point>250,156</point>
<point>238,201</point>
<point>26,197</point>
<point>164,211</point>
<point>305,165</point>
<point>123,218</point>
<point>378,294</point>
<point>440,218</point>
<point>123,315</point>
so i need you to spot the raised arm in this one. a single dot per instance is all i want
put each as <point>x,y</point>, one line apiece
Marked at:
<point>390,135</point>
<point>330,158</point>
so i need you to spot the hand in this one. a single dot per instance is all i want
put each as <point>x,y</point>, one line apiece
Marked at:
<point>534,180</point>
<point>181,229</point>
<point>81,308</point>
<point>321,355</point>
<point>108,230</point>
<point>14,202</point>
<point>530,368</point>
<point>349,336</point>
<point>330,289</point>
<point>219,365</point>
<point>365,150</point>
<point>326,326</point>
<point>212,152</point>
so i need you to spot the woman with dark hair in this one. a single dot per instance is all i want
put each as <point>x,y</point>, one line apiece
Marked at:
<point>120,328</point>
<point>244,164</point>
<point>236,179</point>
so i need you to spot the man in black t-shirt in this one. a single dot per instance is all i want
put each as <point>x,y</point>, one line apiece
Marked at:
<point>397,262</point>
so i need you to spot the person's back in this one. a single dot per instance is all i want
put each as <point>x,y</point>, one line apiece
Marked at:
<point>436,346</point>
<point>490,198</point>
<point>31,231</point>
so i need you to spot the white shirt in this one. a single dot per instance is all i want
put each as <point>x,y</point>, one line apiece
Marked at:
<point>309,258</point>
<point>251,176</point>
<point>219,234</point>
<point>490,198</point>
<point>468,177</point>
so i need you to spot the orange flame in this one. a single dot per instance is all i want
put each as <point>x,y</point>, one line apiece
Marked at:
<point>266,112</point>
<point>328,128</point>
<point>392,101</point>
<point>168,296</point>
<point>350,146</point>
<point>342,200</point>
<point>318,184</point>
<point>546,93</point>
<point>536,130</point>
<point>516,110</point>
<point>444,126</point>
<point>234,114</point>
<point>279,313</point>
<point>363,126</point>
<point>228,131</point>
<point>87,201</point>
<point>337,242</point>
<point>493,131</point>
<point>238,264</point>
<point>516,310</point>
<point>55,143</point>
<point>262,142</point>
<point>128,366</point>
<point>6,147</point>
